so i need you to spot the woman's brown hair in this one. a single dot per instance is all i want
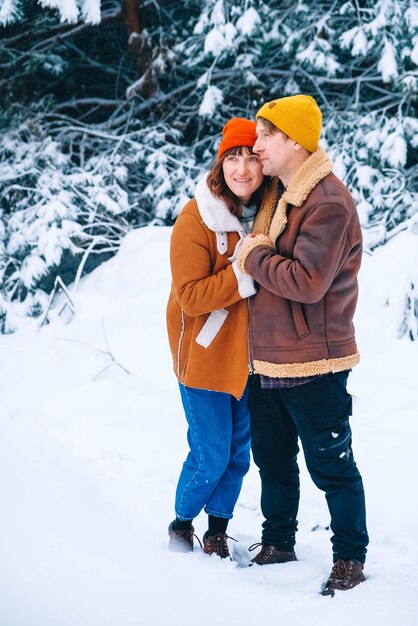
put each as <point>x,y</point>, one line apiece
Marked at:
<point>219,188</point>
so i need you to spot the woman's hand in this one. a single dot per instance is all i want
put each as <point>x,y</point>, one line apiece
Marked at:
<point>253,238</point>
<point>248,238</point>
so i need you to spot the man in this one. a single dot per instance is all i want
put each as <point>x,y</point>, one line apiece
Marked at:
<point>305,254</point>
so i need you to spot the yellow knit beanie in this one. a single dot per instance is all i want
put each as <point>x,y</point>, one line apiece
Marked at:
<point>299,117</point>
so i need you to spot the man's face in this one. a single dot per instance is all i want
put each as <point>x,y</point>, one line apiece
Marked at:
<point>275,150</point>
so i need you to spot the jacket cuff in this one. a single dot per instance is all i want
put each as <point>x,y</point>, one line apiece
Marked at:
<point>246,286</point>
<point>211,327</point>
<point>259,240</point>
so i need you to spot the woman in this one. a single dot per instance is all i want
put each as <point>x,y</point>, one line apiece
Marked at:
<point>207,320</point>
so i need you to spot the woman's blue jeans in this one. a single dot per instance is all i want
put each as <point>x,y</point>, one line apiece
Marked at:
<point>219,457</point>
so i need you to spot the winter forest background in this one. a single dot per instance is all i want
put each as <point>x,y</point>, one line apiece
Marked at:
<point>109,114</point>
<point>111,111</point>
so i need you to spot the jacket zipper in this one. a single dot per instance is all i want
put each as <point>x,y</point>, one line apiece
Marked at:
<point>250,366</point>
<point>179,346</point>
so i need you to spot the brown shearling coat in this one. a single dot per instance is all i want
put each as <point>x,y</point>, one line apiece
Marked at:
<point>207,311</point>
<point>306,259</point>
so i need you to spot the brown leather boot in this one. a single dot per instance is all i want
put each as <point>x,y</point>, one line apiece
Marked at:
<point>344,575</point>
<point>270,554</point>
<point>181,540</point>
<point>217,544</point>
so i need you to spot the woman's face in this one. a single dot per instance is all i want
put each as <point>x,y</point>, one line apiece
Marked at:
<point>243,174</point>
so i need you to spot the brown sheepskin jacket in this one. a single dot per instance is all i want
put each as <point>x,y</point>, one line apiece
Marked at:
<point>305,258</point>
<point>207,311</point>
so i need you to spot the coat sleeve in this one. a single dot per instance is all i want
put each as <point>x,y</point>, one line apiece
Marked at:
<point>318,253</point>
<point>197,290</point>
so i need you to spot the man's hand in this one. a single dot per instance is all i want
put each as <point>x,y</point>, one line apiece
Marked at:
<point>248,243</point>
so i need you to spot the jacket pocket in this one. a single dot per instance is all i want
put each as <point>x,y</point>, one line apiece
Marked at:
<point>211,327</point>
<point>301,327</point>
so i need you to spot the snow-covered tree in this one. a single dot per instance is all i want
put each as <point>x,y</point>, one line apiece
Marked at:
<point>71,11</point>
<point>107,126</point>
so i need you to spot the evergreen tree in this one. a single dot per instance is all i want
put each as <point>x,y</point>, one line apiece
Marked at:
<point>107,126</point>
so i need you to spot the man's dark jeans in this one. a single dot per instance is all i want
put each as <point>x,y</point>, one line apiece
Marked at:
<point>318,412</point>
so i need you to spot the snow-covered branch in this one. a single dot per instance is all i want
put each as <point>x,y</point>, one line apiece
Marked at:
<point>107,127</point>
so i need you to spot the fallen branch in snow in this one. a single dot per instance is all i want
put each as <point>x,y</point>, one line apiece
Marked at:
<point>67,306</point>
<point>107,353</point>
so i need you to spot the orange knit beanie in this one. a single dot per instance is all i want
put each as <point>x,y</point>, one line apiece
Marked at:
<point>237,132</point>
<point>299,117</point>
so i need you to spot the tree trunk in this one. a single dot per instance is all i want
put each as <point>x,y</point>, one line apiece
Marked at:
<point>140,47</point>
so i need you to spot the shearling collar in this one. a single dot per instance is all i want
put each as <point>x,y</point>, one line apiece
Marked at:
<point>313,170</point>
<point>214,211</point>
<point>272,219</point>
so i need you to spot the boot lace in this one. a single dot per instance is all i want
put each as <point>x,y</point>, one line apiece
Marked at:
<point>187,535</point>
<point>219,544</point>
<point>265,553</point>
<point>341,572</point>
<point>192,534</point>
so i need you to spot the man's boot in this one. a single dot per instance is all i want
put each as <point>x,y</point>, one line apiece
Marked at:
<point>344,575</point>
<point>269,555</point>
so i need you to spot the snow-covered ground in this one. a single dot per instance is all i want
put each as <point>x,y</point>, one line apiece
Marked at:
<point>90,455</point>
